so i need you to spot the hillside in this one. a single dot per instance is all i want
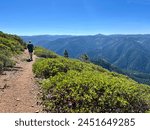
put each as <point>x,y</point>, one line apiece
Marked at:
<point>10,45</point>
<point>43,40</point>
<point>70,85</point>
<point>137,76</point>
<point>129,52</point>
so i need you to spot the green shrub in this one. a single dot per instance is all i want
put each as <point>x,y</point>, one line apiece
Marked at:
<point>41,52</point>
<point>1,66</point>
<point>93,92</point>
<point>50,67</point>
<point>73,86</point>
<point>10,45</point>
<point>6,61</point>
<point>70,85</point>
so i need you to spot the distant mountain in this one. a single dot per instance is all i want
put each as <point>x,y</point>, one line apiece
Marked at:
<point>129,52</point>
<point>74,45</point>
<point>41,40</point>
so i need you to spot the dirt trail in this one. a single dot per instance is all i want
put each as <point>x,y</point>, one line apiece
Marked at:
<point>18,89</point>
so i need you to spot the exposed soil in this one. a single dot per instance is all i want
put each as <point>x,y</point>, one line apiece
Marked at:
<point>19,92</point>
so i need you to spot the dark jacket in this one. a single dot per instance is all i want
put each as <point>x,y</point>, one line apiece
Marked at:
<point>30,47</point>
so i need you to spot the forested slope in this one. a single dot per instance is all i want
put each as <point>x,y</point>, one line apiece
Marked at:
<point>70,85</point>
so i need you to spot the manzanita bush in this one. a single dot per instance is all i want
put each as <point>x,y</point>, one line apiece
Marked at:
<point>73,86</point>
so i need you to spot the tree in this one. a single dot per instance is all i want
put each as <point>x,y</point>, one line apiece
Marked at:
<point>66,54</point>
<point>84,58</point>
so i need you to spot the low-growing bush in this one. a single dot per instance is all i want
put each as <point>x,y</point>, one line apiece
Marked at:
<point>93,92</point>
<point>10,45</point>
<point>50,67</point>
<point>70,85</point>
<point>6,61</point>
<point>41,52</point>
<point>1,66</point>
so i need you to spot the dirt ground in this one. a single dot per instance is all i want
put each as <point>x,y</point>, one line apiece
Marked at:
<point>19,92</point>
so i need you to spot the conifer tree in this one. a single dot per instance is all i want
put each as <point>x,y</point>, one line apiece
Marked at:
<point>66,54</point>
<point>84,58</point>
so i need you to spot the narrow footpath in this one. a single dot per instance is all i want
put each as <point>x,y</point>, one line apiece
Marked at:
<point>19,92</point>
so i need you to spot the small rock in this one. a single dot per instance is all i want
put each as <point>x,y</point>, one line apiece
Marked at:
<point>17,99</point>
<point>4,74</point>
<point>1,87</point>
<point>38,103</point>
<point>37,111</point>
<point>6,86</point>
<point>5,79</point>
<point>32,106</point>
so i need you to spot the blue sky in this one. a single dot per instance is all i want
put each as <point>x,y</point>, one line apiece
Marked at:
<point>77,17</point>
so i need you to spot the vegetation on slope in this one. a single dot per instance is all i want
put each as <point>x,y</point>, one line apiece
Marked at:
<point>137,76</point>
<point>44,53</point>
<point>10,45</point>
<point>73,86</point>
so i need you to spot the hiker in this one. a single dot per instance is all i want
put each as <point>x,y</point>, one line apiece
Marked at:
<point>30,49</point>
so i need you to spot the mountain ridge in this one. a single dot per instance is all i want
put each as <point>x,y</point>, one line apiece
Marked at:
<point>130,52</point>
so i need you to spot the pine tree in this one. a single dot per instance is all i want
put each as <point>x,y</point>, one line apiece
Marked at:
<point>84,58</point>
<point>66,54</point>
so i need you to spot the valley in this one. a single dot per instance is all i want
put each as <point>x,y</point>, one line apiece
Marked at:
<point>129,53</point>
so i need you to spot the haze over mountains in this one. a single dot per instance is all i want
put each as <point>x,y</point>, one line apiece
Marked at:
<point>42,39</point>
<point>129,52</point>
